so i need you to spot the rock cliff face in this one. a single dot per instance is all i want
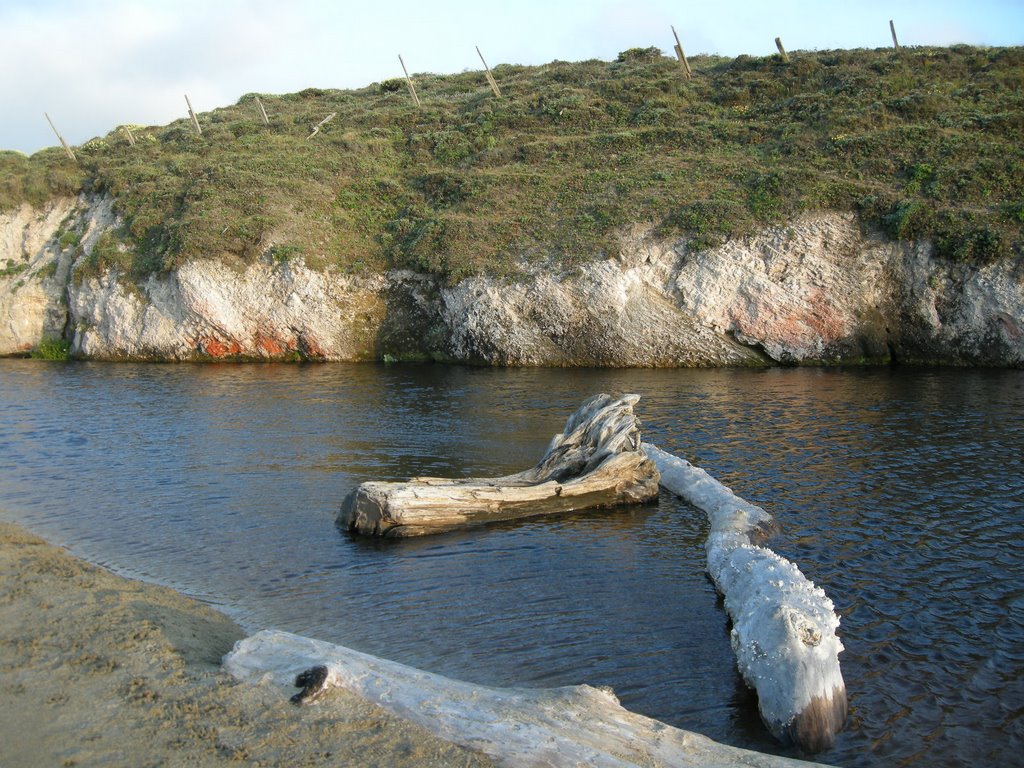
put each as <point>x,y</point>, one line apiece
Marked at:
<point>818,290</point>
<point>32,276</point>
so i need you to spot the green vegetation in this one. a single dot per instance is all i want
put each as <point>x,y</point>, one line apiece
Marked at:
<point>12,268</point>
<point>52,349</point>
<point>923,143</point>
<point>34,180</point>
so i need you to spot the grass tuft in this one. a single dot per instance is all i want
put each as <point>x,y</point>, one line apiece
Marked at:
<point>52,349</point>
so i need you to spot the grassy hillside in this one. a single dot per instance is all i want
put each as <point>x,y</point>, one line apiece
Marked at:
<point>925,142</point>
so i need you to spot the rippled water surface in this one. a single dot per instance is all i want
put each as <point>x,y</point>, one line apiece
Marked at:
<point>900,492</point>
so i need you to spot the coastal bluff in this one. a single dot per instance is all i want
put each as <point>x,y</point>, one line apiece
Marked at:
<point>819,290</point>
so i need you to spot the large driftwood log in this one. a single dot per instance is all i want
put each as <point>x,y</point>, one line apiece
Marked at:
<point>596,462</point>
<point>783,626</point>
<point>516,727</point>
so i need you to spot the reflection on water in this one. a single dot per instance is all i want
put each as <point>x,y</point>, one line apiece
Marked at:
<point>901,492</point>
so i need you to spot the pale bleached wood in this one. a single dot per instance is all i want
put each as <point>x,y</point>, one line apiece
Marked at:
<point>596,462</point>
<point>192,114</point>
<point>67,148</point>
<point>531,727</point>
<point>263,112</point>
<point>322,123</point>
<point>490,78</point>
<point>782,51</point>
<point>784,627</point>
<point>408,82</point>
<point>681,55</point>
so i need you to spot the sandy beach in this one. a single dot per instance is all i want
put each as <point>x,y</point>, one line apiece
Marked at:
<point>96,670</point>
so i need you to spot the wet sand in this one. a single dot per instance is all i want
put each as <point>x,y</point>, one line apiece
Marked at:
<point>97,670</point>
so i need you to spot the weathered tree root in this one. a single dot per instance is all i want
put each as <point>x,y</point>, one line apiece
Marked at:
<point>596,462</point>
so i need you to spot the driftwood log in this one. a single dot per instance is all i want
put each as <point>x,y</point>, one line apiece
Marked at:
<point>596,462</point>
<point>515,727</point>
<point>783,626</point>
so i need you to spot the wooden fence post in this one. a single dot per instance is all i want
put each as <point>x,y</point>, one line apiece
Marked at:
<point>321,123</point>
<point>128,133</point>
<point>782,51</point>
<point>892,28</point>
<point>408,81</point>
<point>192,114</point>
<point>490,77</point>
<point>263,112</point>
<point>681,56</point>
<point>67,149</point>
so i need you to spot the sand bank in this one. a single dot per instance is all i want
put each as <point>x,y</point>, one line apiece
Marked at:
<point>100,670</point>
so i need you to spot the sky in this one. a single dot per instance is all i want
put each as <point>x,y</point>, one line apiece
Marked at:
<point>93,65</point>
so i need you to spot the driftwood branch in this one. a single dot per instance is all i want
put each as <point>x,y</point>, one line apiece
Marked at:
<point>783,626</point>
<point>596,462</point>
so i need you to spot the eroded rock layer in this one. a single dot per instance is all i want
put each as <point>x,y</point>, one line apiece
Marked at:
<point>816,291</point>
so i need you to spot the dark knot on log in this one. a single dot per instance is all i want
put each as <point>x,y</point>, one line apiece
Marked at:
<point>313,683</point>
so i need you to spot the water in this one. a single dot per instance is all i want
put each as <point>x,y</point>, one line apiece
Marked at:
<point>900,492</point>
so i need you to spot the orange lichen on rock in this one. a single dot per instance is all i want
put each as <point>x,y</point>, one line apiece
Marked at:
<point>268,346</point>
<point>217,348</point>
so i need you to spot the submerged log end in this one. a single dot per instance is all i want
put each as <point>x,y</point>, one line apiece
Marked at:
<point>784,638</point>
<point>363,511</point>
<point>814,729</point>
<point>367,510</point>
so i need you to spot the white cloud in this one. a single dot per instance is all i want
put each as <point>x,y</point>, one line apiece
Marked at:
<point>95,65</point>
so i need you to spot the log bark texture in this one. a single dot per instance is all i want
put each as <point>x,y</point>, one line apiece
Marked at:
<point>596,462</point>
